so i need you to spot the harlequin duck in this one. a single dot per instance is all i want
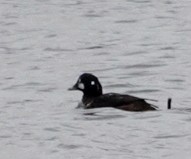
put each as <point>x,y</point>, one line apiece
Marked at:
<point>94,98</point>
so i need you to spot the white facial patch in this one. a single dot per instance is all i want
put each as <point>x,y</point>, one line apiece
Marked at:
<point>92,83</point>
<point>81,86</point>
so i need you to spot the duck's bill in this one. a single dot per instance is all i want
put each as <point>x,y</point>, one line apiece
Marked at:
<point>73,88</point>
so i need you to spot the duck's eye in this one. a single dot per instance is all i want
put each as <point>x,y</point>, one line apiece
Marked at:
<point>92,83</point>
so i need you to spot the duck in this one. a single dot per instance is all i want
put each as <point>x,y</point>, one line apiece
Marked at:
<point>93,96</point>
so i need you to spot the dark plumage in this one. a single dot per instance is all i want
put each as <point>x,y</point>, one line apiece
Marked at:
<point>94,98</point>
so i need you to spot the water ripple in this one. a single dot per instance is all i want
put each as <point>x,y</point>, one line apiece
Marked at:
<point>171,136</point>
<point>126,21</point>
<point>144,66</point>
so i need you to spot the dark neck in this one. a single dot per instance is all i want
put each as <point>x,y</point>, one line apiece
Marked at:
<point>88,99</point>
<point>90,95</point>
<point>93,94</point>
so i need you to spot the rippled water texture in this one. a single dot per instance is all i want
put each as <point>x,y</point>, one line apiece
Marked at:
<point>139,47</point>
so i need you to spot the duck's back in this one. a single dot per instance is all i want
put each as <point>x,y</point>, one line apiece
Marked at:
<point>124,102</point>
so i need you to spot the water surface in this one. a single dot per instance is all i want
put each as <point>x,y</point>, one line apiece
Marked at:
<point>137,47</point>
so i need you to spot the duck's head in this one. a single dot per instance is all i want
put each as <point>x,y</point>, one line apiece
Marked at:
<point>89,85</point>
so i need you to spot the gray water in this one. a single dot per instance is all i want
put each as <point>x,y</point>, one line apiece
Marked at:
<point>139,47</point>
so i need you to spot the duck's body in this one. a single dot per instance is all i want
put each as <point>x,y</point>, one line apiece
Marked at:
<point>119,101</point>
<point>93,97</point>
